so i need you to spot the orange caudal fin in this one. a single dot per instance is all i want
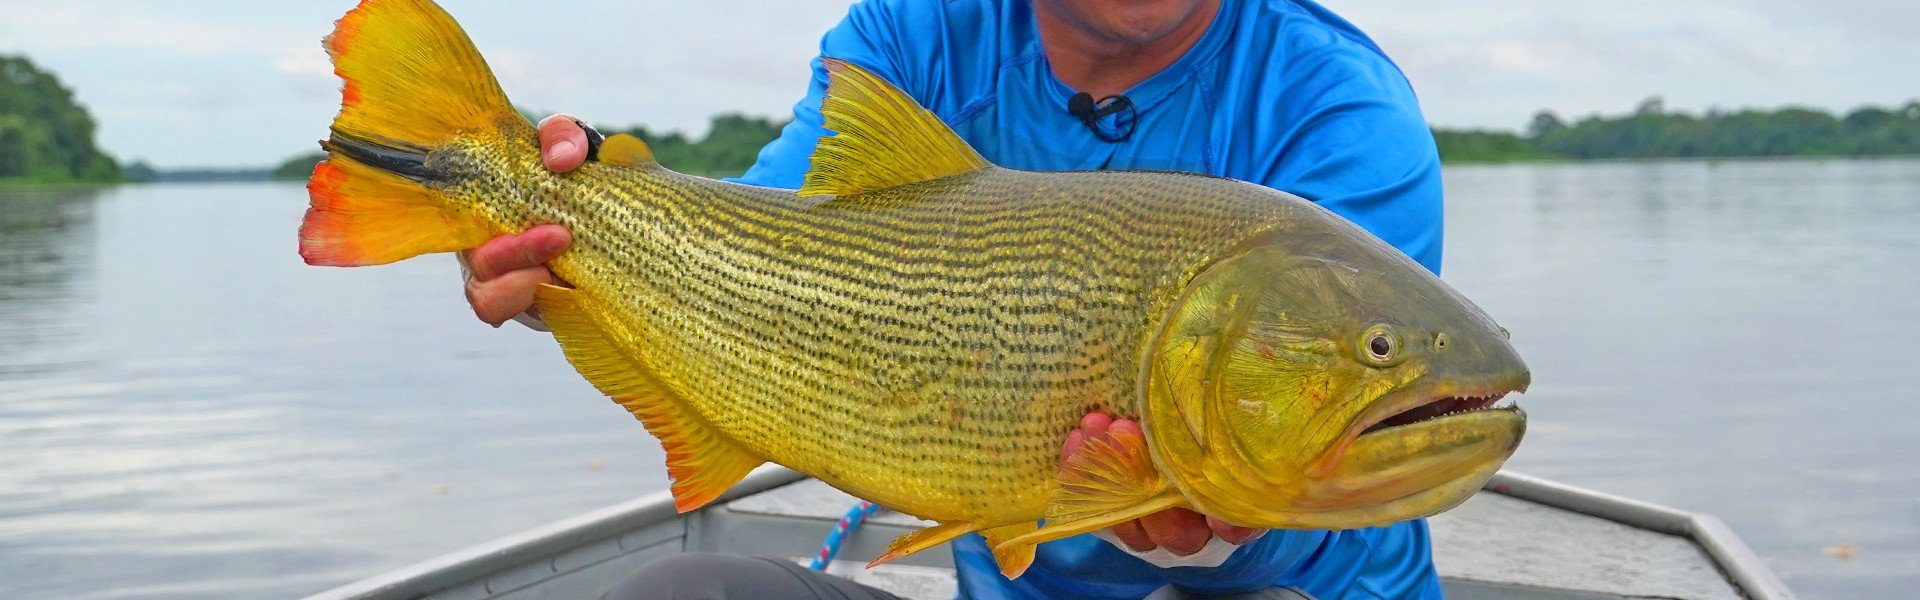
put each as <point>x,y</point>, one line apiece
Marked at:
<point>411,76</point>
<point>413,82</point>
<point>361,216</point>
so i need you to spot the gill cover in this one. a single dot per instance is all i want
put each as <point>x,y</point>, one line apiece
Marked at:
<point>1188,365</point>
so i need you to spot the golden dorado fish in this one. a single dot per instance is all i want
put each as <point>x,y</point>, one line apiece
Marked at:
<point>922,329</point>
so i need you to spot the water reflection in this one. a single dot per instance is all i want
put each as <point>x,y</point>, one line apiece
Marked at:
<point>46,253</point>
<point>189,411</point>
<point>1704,335</point>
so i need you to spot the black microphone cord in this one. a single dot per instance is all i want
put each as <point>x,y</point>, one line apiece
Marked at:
<point>1082,106</point>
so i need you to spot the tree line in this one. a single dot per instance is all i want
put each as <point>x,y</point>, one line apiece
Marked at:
<point>1652,131</point>
<point>45,137</point>
<point>733,141</point>
<point>1649,131</point>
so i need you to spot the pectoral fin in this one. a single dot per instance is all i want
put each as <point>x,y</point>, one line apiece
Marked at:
<point>1110,474</point>
<point>1110,481</point>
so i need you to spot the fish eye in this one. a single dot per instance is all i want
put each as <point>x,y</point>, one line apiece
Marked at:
<point>1379,345</point>
<point>1440,341</point>
<point>1504,334</point>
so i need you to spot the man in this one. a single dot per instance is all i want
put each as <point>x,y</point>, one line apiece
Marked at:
<point>1277,92</point>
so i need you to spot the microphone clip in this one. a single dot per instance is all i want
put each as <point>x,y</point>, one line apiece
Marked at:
<point>1089,111</point>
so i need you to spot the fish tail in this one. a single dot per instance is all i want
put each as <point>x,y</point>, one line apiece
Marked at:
<point>413,83</point>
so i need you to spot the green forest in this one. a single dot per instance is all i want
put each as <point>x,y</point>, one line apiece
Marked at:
<point>732,144</point>
<point>1651,131</point>
<point>45,137</point>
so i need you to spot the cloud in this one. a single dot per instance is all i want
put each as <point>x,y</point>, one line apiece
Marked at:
<point>310,61</point>
<point>1491,63</point>
<point>54,26</point>
<point>245,82</point>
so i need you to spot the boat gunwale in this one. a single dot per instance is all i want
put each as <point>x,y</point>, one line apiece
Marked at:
<point>475,562</point>
<point>1748,573</point>
<point>1738,563</point>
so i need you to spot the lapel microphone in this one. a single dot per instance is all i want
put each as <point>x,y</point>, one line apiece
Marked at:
<point>1082,106</point>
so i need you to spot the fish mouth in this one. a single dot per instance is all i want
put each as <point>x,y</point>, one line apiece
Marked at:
<point>1421,403</point>
<point>1438,408</point>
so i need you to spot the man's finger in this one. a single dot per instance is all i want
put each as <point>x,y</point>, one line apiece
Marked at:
<point>1092,426</point>
<point>1076,440</point>
<point>507,253</point>
<point>499,299</point>
<point>1233,534</point>
<point>1133,536</point>
<point>563,144</point>
<point>1179,530</point>
<point>1095,424</point>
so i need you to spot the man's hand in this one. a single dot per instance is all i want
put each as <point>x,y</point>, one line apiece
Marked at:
<point>1179,530</point>
<point>503,273</point>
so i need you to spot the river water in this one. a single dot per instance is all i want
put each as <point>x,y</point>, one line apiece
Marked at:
<point>187,410</point>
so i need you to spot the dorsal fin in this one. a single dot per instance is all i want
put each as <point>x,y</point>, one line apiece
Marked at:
<point>626,151</point>
<point>882,138</point>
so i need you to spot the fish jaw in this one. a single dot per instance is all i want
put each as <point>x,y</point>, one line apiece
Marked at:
<point>1423,404</point>
<point>1396,464</point>
<point>1373,477</point>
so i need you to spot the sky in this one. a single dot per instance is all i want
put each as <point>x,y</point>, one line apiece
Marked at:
<point>209,83</point>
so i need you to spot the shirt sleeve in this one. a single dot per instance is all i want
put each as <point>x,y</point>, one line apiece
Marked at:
<point>865,38</point>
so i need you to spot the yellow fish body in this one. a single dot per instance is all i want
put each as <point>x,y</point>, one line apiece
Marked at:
<point>920,328</point>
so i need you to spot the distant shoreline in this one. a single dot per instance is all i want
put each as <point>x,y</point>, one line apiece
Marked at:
<point>252,176</point>
<point>1678,159</point>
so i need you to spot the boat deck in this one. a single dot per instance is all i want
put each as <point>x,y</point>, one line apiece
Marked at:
<point>1521,538</point>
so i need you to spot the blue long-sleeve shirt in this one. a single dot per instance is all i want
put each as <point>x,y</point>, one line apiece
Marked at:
<point>1277,92</point>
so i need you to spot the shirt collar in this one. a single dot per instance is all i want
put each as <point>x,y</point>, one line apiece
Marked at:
<point>1149,92</point>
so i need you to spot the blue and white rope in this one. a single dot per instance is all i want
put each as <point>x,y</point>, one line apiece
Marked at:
<point>847,523</point>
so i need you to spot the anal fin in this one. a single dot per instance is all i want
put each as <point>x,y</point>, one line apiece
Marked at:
<point>701,462</point>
